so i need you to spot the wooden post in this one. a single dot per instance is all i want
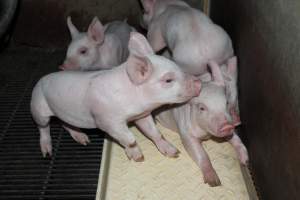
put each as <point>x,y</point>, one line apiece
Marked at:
<point>206,7</point>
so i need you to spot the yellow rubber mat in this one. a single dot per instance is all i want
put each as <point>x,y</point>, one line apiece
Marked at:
<point>163,178</point>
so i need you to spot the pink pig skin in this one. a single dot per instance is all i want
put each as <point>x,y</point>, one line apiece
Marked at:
<point>192,37</point>
<point>101,47</point>
<point>196,42</point>
<point>109,99</point>
<point>203,116</point>
<point>229,73</point>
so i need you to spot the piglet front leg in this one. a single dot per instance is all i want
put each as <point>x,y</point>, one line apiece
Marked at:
<point>240,148</point>
<point>198,154</point>
<point>121,133</point>
<point>147,126</point>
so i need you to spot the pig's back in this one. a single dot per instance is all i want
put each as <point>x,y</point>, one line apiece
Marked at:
<point>195,39</point>
<point>122,31</point>
<point>71,81</point>
<point>120,28</point>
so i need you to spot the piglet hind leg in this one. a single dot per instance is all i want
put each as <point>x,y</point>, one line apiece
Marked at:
<point>77,134</point>
<point>198,154</point>
<point>240,149</point>
<point>155,37</point>
<point>147,126</point>
<point>125,137</point>
<point>45,140</point>
<point>44,130</point>
<point>42,121</point>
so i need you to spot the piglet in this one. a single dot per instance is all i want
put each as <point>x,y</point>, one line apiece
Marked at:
<point>109,99</point>
<point>101,47</point>
<point>192,37</point>
<point>229,73</point>
<point>202,117</point>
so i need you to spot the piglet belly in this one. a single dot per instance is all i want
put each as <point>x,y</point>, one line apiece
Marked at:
<point>80,118</point>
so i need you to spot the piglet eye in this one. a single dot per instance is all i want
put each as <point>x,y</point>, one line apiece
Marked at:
<point>202,107</point>
<point>83,51</point>
<point>169,80</point>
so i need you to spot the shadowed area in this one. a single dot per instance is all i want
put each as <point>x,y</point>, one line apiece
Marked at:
<point>266,35</point>
<point>72,171</point>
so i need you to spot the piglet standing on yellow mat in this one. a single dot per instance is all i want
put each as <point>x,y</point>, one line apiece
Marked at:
<point>109,99</point>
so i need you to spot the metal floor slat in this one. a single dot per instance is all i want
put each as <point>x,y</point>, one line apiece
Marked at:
<point>72,172</point>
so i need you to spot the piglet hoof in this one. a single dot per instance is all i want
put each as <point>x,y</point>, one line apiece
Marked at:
<point>212,178</point>
<point>81,138</point>
<point>46,147</point>
<point>167,148</point>
<point>134,153</point>
<point>243,155</point>
<point>140,159</point>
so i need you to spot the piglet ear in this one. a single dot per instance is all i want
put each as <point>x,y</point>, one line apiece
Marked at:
<point>73,30</point>
<point>216,73</point>
<point>148,5</point>
<point>139,46</point>
<point>232,67</point>
<point>139,68</point>
<point>96,31</point>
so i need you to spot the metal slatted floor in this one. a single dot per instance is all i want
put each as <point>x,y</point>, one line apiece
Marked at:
<point>72,172</point>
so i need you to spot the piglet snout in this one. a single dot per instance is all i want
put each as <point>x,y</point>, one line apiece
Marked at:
<point>62,67</point>
<point>226,130</point>
<point>65,66</point>
<point>68,64</point>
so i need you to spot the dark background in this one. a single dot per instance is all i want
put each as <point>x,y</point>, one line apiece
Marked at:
<point>43,23</point>
<point>266,36</point>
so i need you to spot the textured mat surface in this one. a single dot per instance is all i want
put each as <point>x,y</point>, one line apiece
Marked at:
<point>159,177</point>
<point>72,171</point>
